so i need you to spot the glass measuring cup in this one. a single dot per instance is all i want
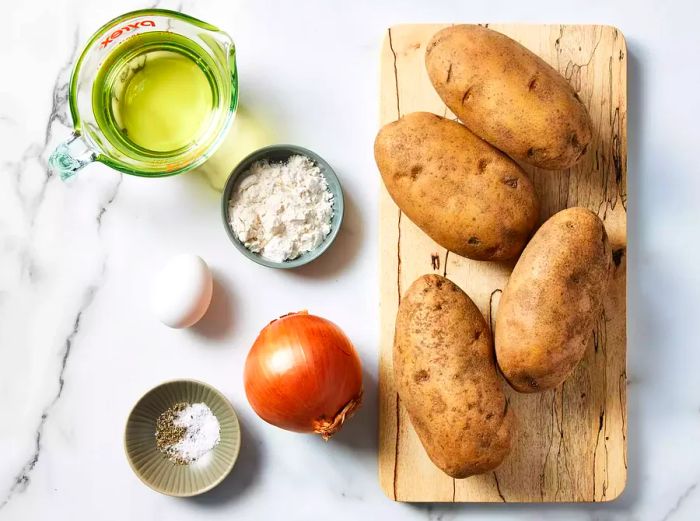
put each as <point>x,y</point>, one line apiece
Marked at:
<point>113,59</point>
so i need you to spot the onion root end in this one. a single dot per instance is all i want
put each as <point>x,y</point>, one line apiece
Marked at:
<point>327,428</point>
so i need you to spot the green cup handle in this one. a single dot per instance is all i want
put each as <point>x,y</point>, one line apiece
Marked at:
<point>71,156</point>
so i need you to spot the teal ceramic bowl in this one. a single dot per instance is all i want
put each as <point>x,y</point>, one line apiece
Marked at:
<point>280,153</point>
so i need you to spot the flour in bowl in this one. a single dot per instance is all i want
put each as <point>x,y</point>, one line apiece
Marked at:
<point>281,210</point>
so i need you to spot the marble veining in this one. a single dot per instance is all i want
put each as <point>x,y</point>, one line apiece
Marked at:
<point>22,479</point>
<point>58,113</point>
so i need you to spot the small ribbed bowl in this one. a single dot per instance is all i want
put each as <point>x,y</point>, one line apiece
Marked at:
<point>153,467</point>
<point>276,154</point>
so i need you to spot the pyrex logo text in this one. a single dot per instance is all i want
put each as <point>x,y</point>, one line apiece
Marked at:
<point>116,34</point>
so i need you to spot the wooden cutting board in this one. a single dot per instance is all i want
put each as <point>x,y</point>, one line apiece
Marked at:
<point>571,442</point>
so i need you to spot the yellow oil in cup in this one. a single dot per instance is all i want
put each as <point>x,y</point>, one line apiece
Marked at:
<point>152,94</point>
<point>160,100</point>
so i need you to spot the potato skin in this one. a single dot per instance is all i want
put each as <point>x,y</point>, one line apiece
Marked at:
<point>466,195</point>
<point>508,96</point>
<point>446,378</point>
<point>548,309</point>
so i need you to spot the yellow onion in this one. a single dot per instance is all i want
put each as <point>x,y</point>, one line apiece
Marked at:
<point>303,374</point>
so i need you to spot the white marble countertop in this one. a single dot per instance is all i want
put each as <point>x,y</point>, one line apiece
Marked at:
<point>78,345</point>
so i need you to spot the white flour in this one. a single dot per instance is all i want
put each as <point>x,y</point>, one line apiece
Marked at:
<point>281,210</point>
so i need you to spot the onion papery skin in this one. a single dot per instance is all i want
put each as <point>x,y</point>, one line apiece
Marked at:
<point>303,374</point>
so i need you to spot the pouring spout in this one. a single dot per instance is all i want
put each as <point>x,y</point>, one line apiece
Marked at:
<point>71,156</point>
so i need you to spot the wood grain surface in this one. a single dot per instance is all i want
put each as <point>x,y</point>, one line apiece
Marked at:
<point>571,442</point>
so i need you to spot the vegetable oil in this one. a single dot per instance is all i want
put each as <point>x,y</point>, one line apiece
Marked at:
<point>156,93</point>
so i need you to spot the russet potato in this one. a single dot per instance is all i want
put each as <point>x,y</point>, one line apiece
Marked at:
<point>446,378</point>
<point>548,309</point>
<point>466,195</point>
<point>508,96</point>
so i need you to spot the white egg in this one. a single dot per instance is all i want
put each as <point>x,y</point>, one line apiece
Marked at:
<point>181,291</point>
